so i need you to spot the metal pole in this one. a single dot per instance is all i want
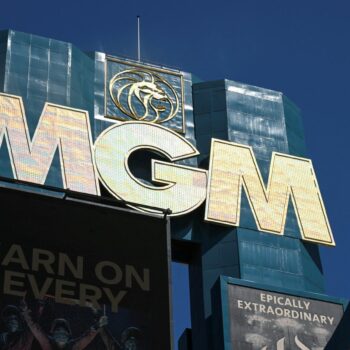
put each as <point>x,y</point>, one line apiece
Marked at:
<point>138,40</point>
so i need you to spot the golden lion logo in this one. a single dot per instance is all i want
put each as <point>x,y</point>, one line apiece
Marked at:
<point>144,95</point>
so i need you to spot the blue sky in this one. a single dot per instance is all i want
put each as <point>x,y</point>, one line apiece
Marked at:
<point>298,47</point>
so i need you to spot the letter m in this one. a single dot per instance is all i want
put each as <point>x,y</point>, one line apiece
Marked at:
<point>233,166</point>
<point>59,127</point>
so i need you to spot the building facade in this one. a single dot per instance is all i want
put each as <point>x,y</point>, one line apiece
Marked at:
<point>227,263</point>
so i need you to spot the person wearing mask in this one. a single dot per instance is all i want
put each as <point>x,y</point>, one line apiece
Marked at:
<point>60,337</point>
<point>16,336</point>
<point>130,339</point>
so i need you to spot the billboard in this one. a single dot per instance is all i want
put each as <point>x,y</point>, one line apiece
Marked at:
<point>80,275</point>
<point>258,318</point>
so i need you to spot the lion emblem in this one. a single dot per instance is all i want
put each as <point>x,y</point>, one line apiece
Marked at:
<point>144,95</point>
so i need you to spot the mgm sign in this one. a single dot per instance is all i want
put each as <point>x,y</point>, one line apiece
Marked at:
<point>182,189</point>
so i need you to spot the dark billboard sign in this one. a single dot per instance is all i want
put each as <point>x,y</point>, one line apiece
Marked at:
<point>266,319</point>
<point>80,275</point>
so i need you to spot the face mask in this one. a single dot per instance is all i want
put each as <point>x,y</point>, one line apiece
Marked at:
<point>12,324</point>
<point>61,338</point>
<point>130,344</point>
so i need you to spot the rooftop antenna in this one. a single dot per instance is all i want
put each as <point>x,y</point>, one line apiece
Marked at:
<point>138,39</point>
